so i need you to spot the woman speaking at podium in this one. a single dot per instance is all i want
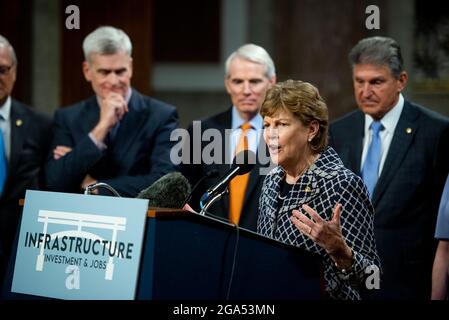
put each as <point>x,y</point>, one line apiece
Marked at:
<point>310,200</point>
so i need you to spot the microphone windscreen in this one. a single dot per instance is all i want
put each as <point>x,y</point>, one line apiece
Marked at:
<point>246,160</point>
<point>169,191</point>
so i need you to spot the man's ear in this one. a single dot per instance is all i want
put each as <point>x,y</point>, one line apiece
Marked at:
<point>87,71</point>
<point>226,83</point>
<point>130,67</point>
<point>402,81</point>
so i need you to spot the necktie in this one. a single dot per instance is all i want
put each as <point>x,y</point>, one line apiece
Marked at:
<point>370,170</point>
<point>112,135</point>
<point>3,162</point>
<point>237,186</point>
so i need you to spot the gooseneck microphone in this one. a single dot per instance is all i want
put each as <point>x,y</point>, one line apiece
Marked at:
<point>243,163</point>
<point>211,174</point>
<point>169,191</point>
<point>101,185</point>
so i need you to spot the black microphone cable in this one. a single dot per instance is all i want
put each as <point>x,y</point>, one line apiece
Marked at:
<point>210,174</point>
<point>234,260</point>
<point>236,249</point>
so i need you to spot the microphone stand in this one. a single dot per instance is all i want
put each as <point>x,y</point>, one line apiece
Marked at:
<point>98,185</point>
<point>210,174</point>
<point>212,201</point>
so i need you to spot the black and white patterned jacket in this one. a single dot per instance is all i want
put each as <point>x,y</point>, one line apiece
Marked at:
<point>326,183</point>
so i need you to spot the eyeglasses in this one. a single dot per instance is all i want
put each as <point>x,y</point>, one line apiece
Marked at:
<point>4,70</point>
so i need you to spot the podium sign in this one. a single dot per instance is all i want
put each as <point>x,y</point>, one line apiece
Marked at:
<point>74,246</point>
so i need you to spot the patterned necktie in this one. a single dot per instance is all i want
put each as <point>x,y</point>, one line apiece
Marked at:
<point>237,186</point>
<point>370,170</point>
<point>3,162</point>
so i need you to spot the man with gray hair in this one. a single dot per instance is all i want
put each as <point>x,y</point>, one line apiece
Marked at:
<point>401,151</point>
<point>24,143</point>
<point>118,136</point>
<point>249,73</point>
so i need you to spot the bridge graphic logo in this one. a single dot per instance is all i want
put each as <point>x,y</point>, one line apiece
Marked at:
<point>78,223</point>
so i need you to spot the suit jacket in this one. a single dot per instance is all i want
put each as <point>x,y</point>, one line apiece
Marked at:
<point>194,172</point>
<point>326,183</point>
<point>406,196</point>
<point>139,156</point>
<point>30,141</point>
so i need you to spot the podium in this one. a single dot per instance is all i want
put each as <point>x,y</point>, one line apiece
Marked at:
<point>192,257</point>
<point>188,256</point>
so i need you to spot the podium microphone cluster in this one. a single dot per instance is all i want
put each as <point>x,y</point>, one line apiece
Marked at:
<point>243,163</point>
<point>169,191</point>
<point>211,174</point>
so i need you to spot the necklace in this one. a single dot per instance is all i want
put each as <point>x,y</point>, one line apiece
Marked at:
<point>284,190</point>
<point>282,197</point>
<point>296,178</point>
<point>286,187</point>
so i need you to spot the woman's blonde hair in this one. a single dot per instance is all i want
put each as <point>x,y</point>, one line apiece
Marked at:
<point>303,100</point>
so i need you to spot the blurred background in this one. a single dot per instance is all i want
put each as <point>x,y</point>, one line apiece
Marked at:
<point>179,47</point>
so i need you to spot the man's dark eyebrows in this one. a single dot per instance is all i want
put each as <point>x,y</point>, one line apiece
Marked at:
<point>120,70</point>
<point>370,79</point>
<point>379,78</point>
<point>111,70</point>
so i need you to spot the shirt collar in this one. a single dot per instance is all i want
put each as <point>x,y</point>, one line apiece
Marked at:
<point>5,109</point>
<point>256,122</point>
<point>390,119</point>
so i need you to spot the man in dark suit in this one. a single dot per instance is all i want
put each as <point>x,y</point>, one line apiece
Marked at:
<point>249,73</point>
<point>24,143</point>
<point>404,163</point>
<point>118,136</point>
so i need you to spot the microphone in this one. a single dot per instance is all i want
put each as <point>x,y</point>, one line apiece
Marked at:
<point>101,185</point>
<point>168,191</point>
<point>243,163</point>
<point>211,174</point>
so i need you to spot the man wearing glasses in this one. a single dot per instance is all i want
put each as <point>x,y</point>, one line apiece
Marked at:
<point>24,142</point>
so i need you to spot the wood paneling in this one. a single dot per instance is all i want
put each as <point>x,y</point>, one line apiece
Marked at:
<point>189,34</point>
<point>133,17</point>
<point>15,25</point>
<point>313,40</point>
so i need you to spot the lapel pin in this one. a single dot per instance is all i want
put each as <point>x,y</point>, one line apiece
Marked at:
<point>19,122</point>
<point>307,189</point>
<point>408,130</point>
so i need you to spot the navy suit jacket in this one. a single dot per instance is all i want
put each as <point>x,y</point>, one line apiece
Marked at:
<point>406,196</point>
<point>30,141</point>
<point>139,155</point>
<point>194,172</point>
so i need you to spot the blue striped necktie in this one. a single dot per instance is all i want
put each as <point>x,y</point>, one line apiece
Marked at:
<point>370,170</point>
<point>3,162</point>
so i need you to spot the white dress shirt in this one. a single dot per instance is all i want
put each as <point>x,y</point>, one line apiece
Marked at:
<point>252,134</point>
